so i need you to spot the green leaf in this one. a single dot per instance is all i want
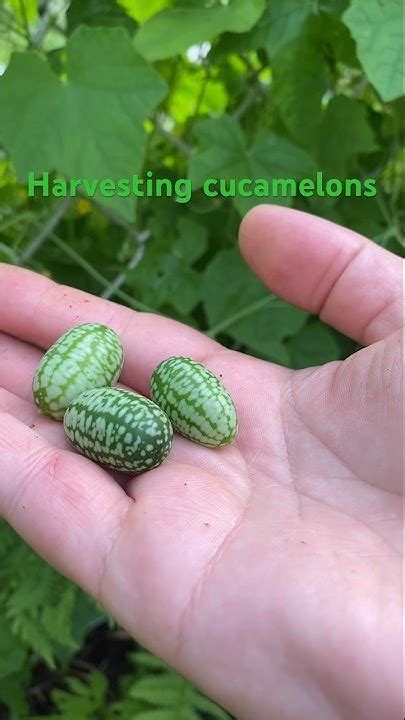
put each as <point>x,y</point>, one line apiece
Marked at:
<point>345,133</point>
<point>85,700</point>
<point>35,601</point>
<point>377,28</point>
<point>339,46</point>
<point>95,687</point>
<point>299,83</point>
<point>264,332</point>
<point>84,614</point>
<point>167,714</point>
<point>165,690</point>
<point>191,242</point>
<point>192,91</point>
<point>222,153</point>
<point>164,276</point>
<point>272,156</point>
<point>174,30</point>
<point>242,308</point>
<point>176,698</point>
<point>148,661</point>
<point>98,13</point>
<point>56,618</point>
<point>242,289</point>
<point>211,709</point>
<point>90,126</point>
<point>314,344</point>
<point>24,9</point>
<point>333,6</point>
<point>162,279</point>
<point>141,10</point>
<point>182,287</point>
<point>13,653</point>
<point>362,215</point>
<point>13,694</point>
<point>280,25</point>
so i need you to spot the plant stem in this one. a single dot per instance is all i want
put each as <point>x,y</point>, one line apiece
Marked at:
<point>245,312</point>
<point>178,142</point>
<point>135,304</point>
<point>24,17</point>
<point>46,229</point>
<point>247,101</point>
<point>9,252</point>
<point>136,258</point>
<point>16,219</point>
<point>46,22</point>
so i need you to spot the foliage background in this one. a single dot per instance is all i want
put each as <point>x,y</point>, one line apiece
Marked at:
<point>107,88</point>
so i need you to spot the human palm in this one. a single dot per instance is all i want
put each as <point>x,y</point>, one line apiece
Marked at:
<point>268,571</point>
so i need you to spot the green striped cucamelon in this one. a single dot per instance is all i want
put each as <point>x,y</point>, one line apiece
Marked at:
<point>87,356</point>
<point>195,400</point>
<point>119,428</point>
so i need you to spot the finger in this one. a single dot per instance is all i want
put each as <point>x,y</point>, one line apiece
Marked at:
<point>16,354</point>
<point>38,310</point>
<point>65,506</point>
<point>353,284</point>
<point>182,451</point>
<point>18,361</point>
<point>354,410</point>
<point>26,412</point>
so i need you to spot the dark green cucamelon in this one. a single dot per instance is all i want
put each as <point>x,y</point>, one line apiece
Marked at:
<point>85,357</point>
<point>119,428</point>
<point>195,400</point>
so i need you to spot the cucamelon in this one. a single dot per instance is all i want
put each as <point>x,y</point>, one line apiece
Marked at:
<point>195,400</point>
<point>87,356</point>
<point>119,428</point>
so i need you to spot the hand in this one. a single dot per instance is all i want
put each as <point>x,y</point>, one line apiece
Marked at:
<point>268,572</point>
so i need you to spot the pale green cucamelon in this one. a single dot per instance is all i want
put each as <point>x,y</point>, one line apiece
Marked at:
<point>87,356</point>
<point>195,400</point>
<point>119,428</point>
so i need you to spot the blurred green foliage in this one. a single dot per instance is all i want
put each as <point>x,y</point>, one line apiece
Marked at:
<point>186,89</point>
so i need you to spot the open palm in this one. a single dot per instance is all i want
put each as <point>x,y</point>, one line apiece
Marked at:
<point>268,571</point>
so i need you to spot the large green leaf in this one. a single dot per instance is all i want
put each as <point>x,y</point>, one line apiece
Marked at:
<point>191,242</point>
<point>90,126</point>
<point>222,153</point>
<point>164,277</point>
<point>377,27</point>
<point>314,344</point>
<point>174,30</point>
<point>97,13</point>
<point>299,84</point>
<point>280,25</point>
<point>345,133</point>
<point>242,308</point>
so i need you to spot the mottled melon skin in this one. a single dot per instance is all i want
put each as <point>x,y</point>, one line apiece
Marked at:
<point>87,356</point>
<point>195,400</point>
<point>119,428</point>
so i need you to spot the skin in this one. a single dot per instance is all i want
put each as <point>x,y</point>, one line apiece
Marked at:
<point>269,571</point>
